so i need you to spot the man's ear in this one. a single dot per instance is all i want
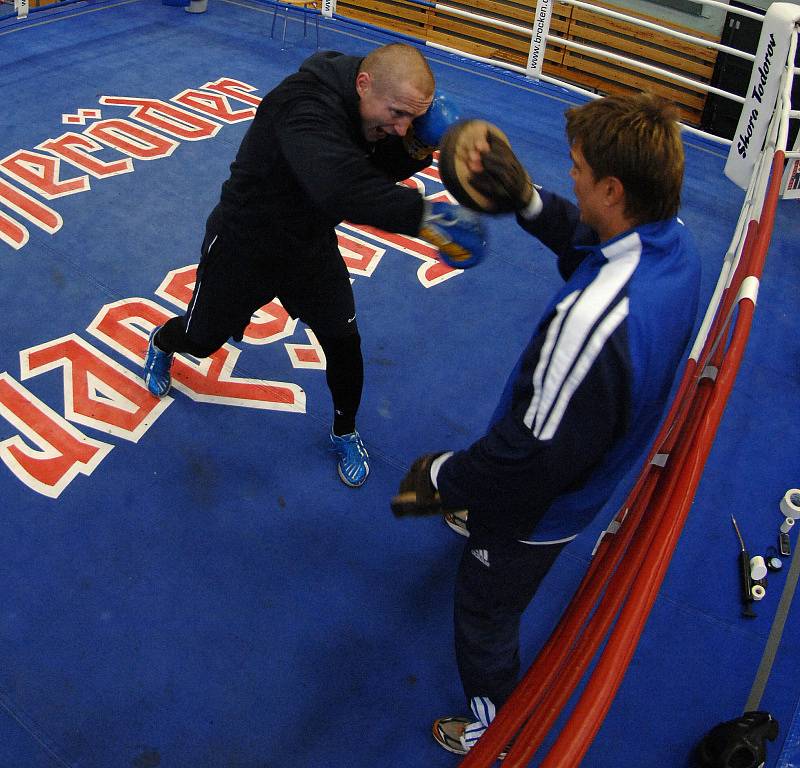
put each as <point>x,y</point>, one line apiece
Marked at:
<point>613,190</point>
<point>363,82</point>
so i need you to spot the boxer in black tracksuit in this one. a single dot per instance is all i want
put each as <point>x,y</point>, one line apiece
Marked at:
<point>313,156</point>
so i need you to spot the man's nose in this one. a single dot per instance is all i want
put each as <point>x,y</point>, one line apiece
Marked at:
<point>401,126</point>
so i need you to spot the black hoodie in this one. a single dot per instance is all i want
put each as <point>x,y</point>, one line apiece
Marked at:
<point>304,166</point>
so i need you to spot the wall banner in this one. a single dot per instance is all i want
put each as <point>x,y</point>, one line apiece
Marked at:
<point>790,185</point>
<point>541,26</point>
<point>762,93</point>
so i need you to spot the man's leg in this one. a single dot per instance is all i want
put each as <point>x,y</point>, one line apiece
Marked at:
<point>326,304</point>
<point>231,284</point>
<point>345,377</point>
<point>497,578</point>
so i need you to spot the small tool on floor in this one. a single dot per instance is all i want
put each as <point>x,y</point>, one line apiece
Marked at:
<point>784,543</point>
<point>747,585</point>
<point>790,506</point>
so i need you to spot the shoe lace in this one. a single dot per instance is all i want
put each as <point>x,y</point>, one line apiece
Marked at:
<point>354,449</point>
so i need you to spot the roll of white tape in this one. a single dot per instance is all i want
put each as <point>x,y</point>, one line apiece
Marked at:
<point>758,568</point>
<point>790,503</point>
<point>787,524</point>
<point>757,592</point>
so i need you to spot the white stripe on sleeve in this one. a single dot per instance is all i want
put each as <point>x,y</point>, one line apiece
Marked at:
<point>576,336</point>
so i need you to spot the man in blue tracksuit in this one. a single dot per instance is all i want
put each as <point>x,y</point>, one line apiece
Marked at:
<point>588,392</point>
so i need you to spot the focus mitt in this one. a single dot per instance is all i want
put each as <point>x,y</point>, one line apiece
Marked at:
<point>503,180</point>
<point>416,495</point>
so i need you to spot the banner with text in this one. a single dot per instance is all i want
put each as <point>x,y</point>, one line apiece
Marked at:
<point>791,176</point>
<point>541,26</point>
<point>762,93</point>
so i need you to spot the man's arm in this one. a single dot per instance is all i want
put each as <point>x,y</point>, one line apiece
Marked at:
<point>335,172</point>
<point>562,421</point>
<point>557,225</point>
<point>391,158</point>
<point>554,220</point>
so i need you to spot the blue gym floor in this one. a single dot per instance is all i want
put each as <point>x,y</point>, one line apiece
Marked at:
<point>192,586</point>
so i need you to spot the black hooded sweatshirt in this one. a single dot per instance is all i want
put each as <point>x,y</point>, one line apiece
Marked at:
<point>304,166</point>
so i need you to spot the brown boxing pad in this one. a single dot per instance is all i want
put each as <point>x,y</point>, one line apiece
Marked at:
<point>452,163</point>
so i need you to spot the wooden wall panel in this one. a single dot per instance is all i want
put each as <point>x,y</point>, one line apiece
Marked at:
<point>591,71</point>
<point>394,15</point>
<point>649,46</point>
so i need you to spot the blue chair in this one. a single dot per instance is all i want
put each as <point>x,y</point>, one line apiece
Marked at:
<point>284,6</point>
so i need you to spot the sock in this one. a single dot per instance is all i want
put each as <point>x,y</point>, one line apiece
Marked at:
<point>343,424</point>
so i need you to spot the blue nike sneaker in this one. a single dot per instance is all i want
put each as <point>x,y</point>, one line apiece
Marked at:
<point>156,368</point>
<point>353,465</point>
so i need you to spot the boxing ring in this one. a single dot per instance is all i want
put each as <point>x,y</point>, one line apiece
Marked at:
<point>186,582</point>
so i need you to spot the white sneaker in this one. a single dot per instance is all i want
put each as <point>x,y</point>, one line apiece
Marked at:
<point>447,731</point>
<point>458,734</point>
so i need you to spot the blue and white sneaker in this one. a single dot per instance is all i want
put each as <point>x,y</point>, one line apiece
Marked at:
<point>353,463</point>
<point>156,368</point>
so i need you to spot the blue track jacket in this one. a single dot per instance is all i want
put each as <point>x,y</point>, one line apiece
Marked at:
<point>587,394</point>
